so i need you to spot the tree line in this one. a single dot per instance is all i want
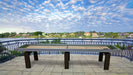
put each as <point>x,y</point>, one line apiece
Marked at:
<point>14,34</point>
<point>39,34</point>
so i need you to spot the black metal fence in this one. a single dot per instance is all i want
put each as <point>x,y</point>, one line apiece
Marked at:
<point>7,47</point>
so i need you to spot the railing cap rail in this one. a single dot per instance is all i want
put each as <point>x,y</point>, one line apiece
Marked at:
<point>68,39</point>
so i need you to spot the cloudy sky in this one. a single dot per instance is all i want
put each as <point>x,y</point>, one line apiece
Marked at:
<point>66,15</point>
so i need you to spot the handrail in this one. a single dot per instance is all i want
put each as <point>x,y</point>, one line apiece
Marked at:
<point>6,46</point>
<point>68,39</point>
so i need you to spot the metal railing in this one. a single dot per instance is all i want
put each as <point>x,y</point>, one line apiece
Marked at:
<point>7,47</point>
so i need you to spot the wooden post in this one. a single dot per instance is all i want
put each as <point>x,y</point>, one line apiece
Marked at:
<point>100,56</point>
<point>107,61</point>
<point>66,61</point>
<point>27,60</point>
<point>35,56</point>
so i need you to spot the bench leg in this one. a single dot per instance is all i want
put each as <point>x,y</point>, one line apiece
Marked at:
<point>107,61</point>
<point>101,56</point>
<point>66,60</point>
<point>27,59</point>
<point>69,56</point>
<point>35,56</point>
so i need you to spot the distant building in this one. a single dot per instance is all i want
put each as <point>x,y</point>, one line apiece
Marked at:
<point>123,35</point>
<point>64,36</point>
<point>57,35</point>
<point>72,34</point>
<point>51,35</point>
<point>95,35</point>
<point>87,33</point>
<point>25,35</point>
<point>120,34</point>
<point>126,34</point>
<point>17,35</point>
<point>131,36</point>
<point>47,36</point>
<point>80,37</point>
<point>101,34</point>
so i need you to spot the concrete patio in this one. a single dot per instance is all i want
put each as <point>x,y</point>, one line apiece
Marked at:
<point>79,65</point>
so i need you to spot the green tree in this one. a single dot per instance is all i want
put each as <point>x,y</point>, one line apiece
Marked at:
<point>92,31</point>
<point>123,47</point>
<point>2,48</point>
<point>90,35</point>
<point>7,34</point>
<point>79,33</point>
<point>1,35</point>
<point>56,41</point>
<point>115,35</point>
<point>13,34</point>
<point>47,41</point>
<point>37,33</point>
<point>109,35</point>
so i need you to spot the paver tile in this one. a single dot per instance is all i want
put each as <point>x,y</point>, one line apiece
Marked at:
<point>67,73</point>
<point>3,72</point>
<point>25,73</point>
<point>34,73</point>
<point>14,73</point>
<point>54,65</point>
<point>56,73</point>
<point>45,73</point>
<point>90,73</point>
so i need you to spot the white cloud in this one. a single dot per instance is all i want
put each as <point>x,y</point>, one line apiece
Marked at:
<point>79,9</point>
<point>47,11</point>
<point>82,8</point>
<point>39,8</point>
<point>28,6</point>
<point>63,16</point>
<point>5,8</point>
<point>31,2</point>
<point>93,1</point>
<point>5,4</point>
<point>88,13</point>
<point>36,1</point>
<point>72,2</point>
<point>46,2</point>
<point>15,29</point>
<point>60,5</point>
<point>27,9</point>
<point>52,5</point>
<point>103,18</point>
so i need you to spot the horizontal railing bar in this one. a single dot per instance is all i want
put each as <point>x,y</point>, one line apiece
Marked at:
<point>67,39</point>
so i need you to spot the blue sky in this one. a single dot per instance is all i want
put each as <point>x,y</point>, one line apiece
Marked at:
<point>66,15</point>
